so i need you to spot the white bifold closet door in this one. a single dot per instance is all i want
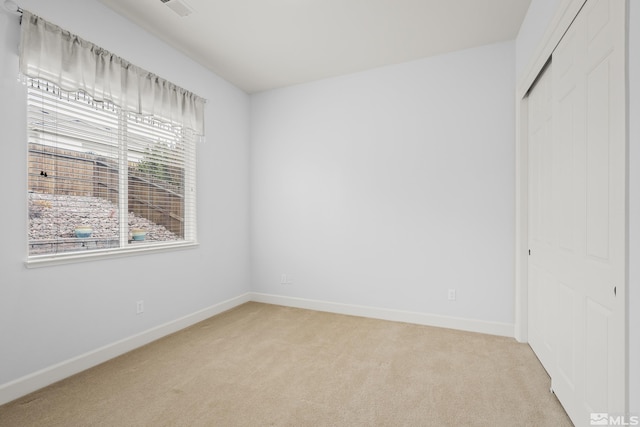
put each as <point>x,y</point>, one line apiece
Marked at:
<point>577,214</point>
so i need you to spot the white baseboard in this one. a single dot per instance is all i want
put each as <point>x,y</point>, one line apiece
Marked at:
<point>472,325</point>
<point>32,382</point>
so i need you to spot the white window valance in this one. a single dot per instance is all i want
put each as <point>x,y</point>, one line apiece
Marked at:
<point>48,52</point>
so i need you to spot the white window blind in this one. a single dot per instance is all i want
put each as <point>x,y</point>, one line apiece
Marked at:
<point>103,179</point>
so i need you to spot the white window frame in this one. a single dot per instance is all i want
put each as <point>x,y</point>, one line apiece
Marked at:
<point>188,241</point>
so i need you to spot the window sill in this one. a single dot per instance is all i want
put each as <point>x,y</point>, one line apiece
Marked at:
<point>72,258</point>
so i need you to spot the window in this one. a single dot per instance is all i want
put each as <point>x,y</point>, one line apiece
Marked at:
<point>105,178</point>
<point>90,162</point>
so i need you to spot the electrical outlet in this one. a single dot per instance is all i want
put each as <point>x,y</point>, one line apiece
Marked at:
<point>285,279</point>
<point>451,295</point>
<point>140,307</point>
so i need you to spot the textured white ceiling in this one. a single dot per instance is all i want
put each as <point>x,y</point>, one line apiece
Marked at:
<point>265,44</point>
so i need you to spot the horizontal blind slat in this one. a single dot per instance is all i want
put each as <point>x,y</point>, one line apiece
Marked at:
<point>74,146</point>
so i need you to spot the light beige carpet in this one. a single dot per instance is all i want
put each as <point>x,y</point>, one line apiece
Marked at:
<point>265,365</point>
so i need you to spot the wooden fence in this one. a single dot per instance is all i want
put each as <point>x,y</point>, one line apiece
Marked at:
<point>56,171</point>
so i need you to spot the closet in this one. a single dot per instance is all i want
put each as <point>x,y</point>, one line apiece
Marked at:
<point>576,261</point>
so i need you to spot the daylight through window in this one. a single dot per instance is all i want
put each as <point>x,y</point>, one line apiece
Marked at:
<point>111,151</point>
<point>101,177</point>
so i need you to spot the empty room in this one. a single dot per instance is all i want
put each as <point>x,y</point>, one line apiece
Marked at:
<point>320,213</point>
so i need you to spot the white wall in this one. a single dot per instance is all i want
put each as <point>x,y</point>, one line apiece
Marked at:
<point>386,188</point>
<point>539,16</point>
<point>535,24</point>
<point>634,207</point>
<point>50,315</point>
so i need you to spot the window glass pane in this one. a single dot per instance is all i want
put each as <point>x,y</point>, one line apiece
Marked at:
<point>156,180</point>
<point>73,178</point>
<point>102,178</point>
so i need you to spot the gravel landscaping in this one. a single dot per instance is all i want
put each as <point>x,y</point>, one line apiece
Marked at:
<point>54,217</point>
